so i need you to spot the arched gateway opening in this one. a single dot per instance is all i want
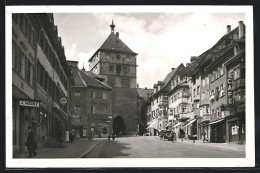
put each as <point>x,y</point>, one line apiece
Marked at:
<point>119,126</point>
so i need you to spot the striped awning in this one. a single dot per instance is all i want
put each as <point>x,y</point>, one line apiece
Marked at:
<point>190,122</point>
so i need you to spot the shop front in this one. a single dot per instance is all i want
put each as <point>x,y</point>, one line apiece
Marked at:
<point>218,131</point>
<point>236,128</point>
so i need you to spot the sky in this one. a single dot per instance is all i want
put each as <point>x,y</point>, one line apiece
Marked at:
<point>162,40</point>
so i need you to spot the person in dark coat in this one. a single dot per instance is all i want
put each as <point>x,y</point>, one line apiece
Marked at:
<point>31,143</point>
<point>113,136</point>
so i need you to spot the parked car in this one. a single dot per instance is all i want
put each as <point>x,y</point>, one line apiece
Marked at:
<point>165,134</point>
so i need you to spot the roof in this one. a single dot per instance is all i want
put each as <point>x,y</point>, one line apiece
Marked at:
<point>91,81</point>
<point>144,93</point>
<point>76,79</point>
<point>82,79</point>
<point>114,43</point>
<point>171,74</point>
<point>93,75</point>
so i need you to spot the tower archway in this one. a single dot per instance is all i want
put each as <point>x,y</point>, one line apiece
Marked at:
<point>119,126</point>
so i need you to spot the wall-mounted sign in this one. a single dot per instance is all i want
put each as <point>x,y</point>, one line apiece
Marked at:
<point>229,90</point>
<point>63,101</point>
<point>28,103</point>
<point>235,130</point>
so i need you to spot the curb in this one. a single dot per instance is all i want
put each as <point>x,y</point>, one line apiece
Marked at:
<point>85,153</point>
<point>213,147</point>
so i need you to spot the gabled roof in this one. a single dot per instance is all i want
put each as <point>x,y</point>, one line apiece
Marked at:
<point>94,75</point>
<point>76,79</point>
<point>91,81</point>
<point>114,43</point>
<point>171,74</point>
<point>144,93</point>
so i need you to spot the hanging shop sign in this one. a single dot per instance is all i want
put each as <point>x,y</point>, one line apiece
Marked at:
<point>29,103</point>
<point>63,101</point>
<point>229,90</point>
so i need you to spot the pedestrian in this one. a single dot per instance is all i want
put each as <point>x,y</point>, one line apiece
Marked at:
<point>108,137</point>
<point>67,136</point>
<point>113,136</point>
<point>31,143</point>
<point>90,136</point>
<point>204,135</point>
<point>71,136</point>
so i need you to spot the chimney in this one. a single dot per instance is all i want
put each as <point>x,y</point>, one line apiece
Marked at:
<point>228,28</point>
<point>193,58</point>
<point>145,88</point>
<point>240,29</point>
<point>173,68</point>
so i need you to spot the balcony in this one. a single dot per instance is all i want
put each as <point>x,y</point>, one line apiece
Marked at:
<point>163,101</point>
<point>205,117</point>
<point>183,116</point>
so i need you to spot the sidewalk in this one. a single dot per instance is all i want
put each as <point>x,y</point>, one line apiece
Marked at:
<point>76,149</point>
<point>218,146</point>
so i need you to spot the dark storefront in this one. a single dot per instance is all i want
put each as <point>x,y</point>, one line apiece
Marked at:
<point>218,131</point>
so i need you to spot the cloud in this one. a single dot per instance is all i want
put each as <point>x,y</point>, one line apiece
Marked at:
<point>162,40</point>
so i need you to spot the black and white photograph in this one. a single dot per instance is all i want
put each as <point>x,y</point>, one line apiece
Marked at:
<point>129,86</point>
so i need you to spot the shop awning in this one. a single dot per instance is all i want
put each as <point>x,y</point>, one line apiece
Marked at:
<point>190,122</point>
<point>178,124</point>
<point>168,124</point>
<point>154,124</point>
<point>217,121</point>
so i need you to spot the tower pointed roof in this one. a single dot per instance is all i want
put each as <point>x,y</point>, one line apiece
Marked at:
<point>114,43</point>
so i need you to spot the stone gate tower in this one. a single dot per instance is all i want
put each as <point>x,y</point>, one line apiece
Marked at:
<point>116,63</point>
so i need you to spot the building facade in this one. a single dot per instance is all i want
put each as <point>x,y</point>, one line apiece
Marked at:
<point>40,80</point>
<point>116,63</point>
<point>91,103</point>
<point>208,95</point>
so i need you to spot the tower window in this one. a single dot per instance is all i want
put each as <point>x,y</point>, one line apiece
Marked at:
<point>111,68</point>
<point>118,68</point>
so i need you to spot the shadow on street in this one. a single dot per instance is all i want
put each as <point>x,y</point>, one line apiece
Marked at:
<point>108,150</point>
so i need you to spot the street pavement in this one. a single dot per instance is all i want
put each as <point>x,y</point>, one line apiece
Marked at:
<point>153,147</point>
<point>140,147</point>
<point>71,150</point>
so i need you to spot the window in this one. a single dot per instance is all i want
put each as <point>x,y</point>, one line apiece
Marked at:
<point>21,67</point>
<point>105,109</point>
<point>104,95</point>
<point>77,93</point>
<point>14,47</point>
<point>118,68</point>
<point>203,95</point>
<point>77,107</point>
<point>238,95</point>
<point>93,109</point>
<point>111,68</point>
<point>125,83</point>
<point>198,90</point>
<point>125,68</point>
<point>194,92</point>
<point>157,100</point>
<point>111,81</point>
<point>29,73</point>
<point>184,108</point>
<point>92,94</point>
<point>77,119</point>
<point>157,111</point>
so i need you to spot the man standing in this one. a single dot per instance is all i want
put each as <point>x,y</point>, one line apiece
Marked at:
<point>204,135</point>
<point>31,143</point>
